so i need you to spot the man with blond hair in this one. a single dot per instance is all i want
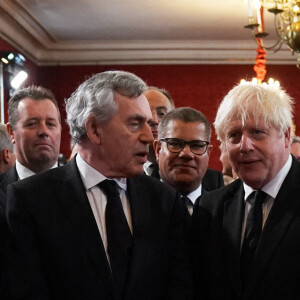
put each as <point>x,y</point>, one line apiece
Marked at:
<point>247,235</point>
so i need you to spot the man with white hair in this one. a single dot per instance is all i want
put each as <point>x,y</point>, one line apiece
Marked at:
<point>7,155</point>
<point>247,234</point>
<point>94,229</point>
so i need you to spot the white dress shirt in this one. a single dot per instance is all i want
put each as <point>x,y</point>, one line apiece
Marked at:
<point>146,166</point>
<point>24,172</point>
<point>271,189</point>
<point>91,178</point>
<point>193,196</point>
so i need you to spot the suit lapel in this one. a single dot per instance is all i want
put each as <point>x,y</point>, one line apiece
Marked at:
<point>72,196</point>
<point>286,206</point>
<point>232,224</point>
<point>140,216</point>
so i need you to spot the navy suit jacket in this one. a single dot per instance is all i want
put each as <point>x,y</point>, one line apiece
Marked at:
<point>57,251</point>
<point>2,224</point>
<point>217,242</point>
<point>7,178</point>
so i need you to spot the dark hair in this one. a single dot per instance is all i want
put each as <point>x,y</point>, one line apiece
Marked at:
<point>33,92</point>
<point>164,92</point>
<point>186,115</point>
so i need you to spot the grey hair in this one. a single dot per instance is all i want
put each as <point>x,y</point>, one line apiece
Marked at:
<point>264,102</point>
<point>33,92</point>
<point>295,139</point>
<point>5,141</point>
<point>164,92</point>
<point>96,96</point>
<point>186,115</point>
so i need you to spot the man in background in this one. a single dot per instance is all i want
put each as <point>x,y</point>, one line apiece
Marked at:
<point>94,229</point>
<point>3,291</point>
<point>35,129</point>
<point>295,147</point>
<point>7,156</point>
<point>247,234</point>
<point>182,151</point>
<point>228,173</point>
<point>160,102</point>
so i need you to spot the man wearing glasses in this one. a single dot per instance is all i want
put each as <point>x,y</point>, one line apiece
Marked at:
<point>182,152</point>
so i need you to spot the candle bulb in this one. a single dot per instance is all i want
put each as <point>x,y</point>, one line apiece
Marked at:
<point>249,9</point>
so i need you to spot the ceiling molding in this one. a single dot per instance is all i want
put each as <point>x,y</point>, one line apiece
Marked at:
<point>22,31</point>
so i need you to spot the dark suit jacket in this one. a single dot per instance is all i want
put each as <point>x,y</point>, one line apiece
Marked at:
<point>212,180</point>
<point>7,178</point>
<point>217,240</point>
<point>57,251</point>
<point>2,205</point>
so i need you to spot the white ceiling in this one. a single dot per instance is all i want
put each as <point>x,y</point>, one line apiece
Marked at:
<point>133,31</point>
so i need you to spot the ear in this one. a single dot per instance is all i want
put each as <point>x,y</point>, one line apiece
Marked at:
<point>5,155</point>
<point>287,138</point>
<point>209,149</point>
<point>157,147</point>
<point>93,129</point>
<point>10,132</point>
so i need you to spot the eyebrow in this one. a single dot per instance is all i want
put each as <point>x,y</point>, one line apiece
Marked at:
<point>137,117</point>
<point>161,107</point>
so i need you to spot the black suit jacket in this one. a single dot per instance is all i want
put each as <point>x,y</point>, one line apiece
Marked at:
<point>7,178</point>
<point>212,180</point>
<point>217,241</point>
<point>57,251</point>
<point>2,224</point>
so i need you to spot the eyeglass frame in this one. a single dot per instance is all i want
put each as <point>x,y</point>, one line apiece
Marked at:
<point>166,140</point>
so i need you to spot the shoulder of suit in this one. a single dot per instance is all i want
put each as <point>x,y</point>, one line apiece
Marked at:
<point>212,171</point>
<point>44,178</point>
<point>221,194</point>
<point>149,183</point>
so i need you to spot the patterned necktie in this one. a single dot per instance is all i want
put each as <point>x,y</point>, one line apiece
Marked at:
<point>252,234</point>
<point>119,238</point>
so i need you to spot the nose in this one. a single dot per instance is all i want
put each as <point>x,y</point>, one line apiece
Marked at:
<point>43,129</point>
<point>246,144</point>
<point>186,152</point>
<point>155,118</point>
<point>146,136</point>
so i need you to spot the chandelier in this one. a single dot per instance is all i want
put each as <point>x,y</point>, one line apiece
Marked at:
<point>286,22</point>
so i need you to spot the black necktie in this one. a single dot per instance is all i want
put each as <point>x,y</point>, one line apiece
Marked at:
<point>187,202</point>
<point>155,171</point>
<point>252,234</point>
<point>119,238</point>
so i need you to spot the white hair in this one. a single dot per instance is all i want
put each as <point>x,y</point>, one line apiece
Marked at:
<point>264,102</point>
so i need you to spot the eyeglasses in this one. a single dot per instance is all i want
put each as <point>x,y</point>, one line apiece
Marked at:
<point>177,145</point>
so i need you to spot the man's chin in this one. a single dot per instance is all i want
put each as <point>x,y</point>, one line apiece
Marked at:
<point>138,170</point>
<point>45,158</point>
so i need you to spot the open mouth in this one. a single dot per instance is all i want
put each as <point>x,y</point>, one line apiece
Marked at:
<point>142,156</point>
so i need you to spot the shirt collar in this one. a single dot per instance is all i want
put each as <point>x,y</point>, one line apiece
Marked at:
<point>91,177</point>
<point>195,194</point>
<point>272,188</point>
<point>24,172</point>
<point>147,164</point>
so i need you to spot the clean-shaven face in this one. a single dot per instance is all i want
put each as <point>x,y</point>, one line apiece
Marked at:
<point>256,151</point>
